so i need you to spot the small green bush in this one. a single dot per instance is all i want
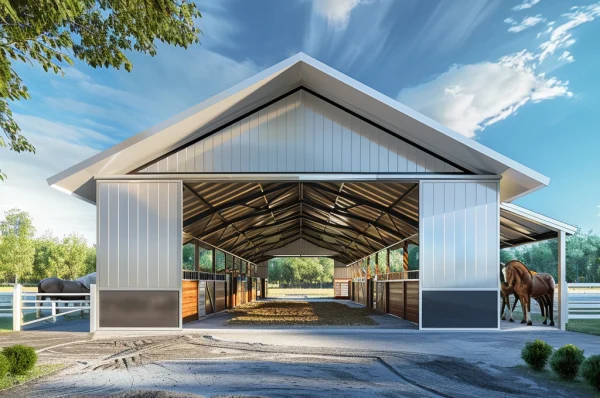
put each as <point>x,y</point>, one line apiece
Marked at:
<point>20,357</point>
<point>536,354</point>
<point>4,366</point>
<point>566,361</point>
<point>590,370</point>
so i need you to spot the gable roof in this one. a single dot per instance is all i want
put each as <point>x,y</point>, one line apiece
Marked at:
<point>298,70</point>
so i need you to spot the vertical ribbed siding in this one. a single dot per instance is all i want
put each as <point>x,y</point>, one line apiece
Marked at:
<point>139,235</point>
<point>301,133</point>
<point>459,234</point>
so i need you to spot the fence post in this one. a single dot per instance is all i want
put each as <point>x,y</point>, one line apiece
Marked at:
<point>17,307</point>
<point>53,302</point>
<point>93,308</point>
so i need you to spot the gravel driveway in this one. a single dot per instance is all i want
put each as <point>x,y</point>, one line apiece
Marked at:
<point>202,365</point>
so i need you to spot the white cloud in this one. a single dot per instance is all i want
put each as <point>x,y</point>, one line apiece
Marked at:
<point>467,98</point>
<point>566,56</point>
<point>525,5</point>
<point>26,187</point>
<point>561,37</point>
<point>526,23</point>
<point>336,12</point>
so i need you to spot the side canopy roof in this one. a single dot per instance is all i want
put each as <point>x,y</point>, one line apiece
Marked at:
<point>297,71</point>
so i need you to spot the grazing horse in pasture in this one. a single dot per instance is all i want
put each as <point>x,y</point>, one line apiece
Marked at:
<point>527,286</point>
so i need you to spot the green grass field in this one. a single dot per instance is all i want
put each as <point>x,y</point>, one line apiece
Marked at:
<point>9,289</point>
<point>589,326</point>
<point>37,372</point>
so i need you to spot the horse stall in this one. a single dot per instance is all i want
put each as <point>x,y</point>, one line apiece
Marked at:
<point>403,299</point>
<point>202,294</point>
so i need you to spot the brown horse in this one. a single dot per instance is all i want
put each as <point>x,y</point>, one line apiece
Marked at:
<point>528,286</point>
<point>507,291</point>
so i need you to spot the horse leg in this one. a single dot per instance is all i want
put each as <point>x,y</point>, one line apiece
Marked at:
<point>513,307</point>
<point>529,323</point>
<point>524,309</point>
<point>502,313</point>
<point>510,312</point>
<point>544,306</point>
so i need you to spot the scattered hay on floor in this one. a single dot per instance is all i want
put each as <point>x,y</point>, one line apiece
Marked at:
<point>300,313</point>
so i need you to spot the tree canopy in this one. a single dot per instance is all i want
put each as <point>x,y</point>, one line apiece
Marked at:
<point>52,33</point>
<point>24,258</point>
<point>294,270</point>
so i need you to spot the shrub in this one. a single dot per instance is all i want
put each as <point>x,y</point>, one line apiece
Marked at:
<point>566,361</point>
<point>536,354</point>
<point>590,370</point>
<point>20,357</point>
<point>4,366</point>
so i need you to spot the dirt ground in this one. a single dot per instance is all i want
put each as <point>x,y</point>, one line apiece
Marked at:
<point>300,313</point>
<point>181,365</point>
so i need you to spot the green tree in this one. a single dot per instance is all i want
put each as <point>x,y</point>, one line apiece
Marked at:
<point>98,32</point>
<point>71,257</point>
<point>326,275</point>
<point>206,260</point>
<point>90,261</point>
<point>17,250</point>
<point>309,269</point>
<point>189,255</point>
<point>46,251</point>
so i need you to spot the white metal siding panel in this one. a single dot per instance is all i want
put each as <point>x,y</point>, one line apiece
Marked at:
<point>459,235</point>
<point>102,257</point>
<point>301,133</point>
<point>139,235</point>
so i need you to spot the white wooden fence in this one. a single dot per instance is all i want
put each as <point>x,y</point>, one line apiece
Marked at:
<point>584,300</point>
<point>22,301</point>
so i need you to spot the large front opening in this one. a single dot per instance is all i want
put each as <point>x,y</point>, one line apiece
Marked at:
<point>239,237</point>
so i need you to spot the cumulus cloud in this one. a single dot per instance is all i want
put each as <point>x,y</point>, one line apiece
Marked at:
<point>336,12</point>
<point>467,98</point>
<point>526,23</point>
<point>525,5</point>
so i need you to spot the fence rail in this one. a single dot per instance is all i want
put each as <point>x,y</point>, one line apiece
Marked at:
<point>398,276</point>
<point>202,276</point>
<point>584,300</point>
<point>32,301</point>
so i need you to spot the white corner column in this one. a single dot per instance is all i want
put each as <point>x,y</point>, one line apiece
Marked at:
<point>563,289</point>
<point>93,307</point>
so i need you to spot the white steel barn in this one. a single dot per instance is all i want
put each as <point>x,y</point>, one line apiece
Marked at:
<point>301,160</point>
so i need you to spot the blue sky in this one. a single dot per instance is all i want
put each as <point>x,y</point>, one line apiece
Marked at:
<point>519,76</point>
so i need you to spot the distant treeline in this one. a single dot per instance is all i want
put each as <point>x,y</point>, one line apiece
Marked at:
<point>582,255</point>
<point>292,271</point>
<point>25,259</point>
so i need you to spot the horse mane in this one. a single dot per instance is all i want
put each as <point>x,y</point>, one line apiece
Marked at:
<point>531,273</point>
